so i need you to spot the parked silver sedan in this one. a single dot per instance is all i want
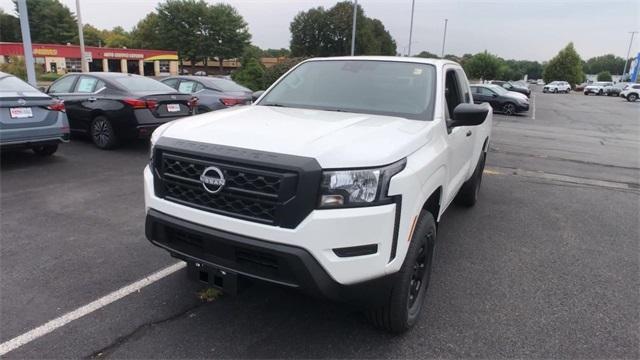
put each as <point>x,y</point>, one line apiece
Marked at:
<point>30,118</point>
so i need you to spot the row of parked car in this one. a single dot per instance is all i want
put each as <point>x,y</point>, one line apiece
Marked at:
<point>108,107</point>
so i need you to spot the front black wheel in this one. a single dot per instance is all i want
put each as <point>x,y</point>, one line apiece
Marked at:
<point>509,109</point>
<point>405,301</point>
<point>45,150</point>
<point>102,133</point>
<point>632,97</point>
<point>468,194</point>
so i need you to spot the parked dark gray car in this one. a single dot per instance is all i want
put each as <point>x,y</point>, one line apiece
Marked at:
<point>29,118</point>
<point>213,93</point>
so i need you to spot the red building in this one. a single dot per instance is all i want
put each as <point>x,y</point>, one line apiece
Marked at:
<point>66,58</point>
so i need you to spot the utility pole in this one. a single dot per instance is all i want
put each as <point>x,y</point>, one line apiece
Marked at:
<point>26,42</point>
<point>413,4</point>
<point>444,36</point>
<point>83,59</point>
<point>626,60</point>
<point>353,31</point>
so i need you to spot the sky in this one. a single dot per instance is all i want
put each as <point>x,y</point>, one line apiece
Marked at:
<point>512,29</point>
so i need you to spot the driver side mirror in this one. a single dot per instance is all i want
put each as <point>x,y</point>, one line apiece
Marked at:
<point>469,114</point>
<point>256,94</point>
<point>494,95</point>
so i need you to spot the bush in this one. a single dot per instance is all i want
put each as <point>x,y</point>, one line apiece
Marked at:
<point>250,75</point>
<point>16,66</point>
<point>49,77</point>
<point>604,76</point>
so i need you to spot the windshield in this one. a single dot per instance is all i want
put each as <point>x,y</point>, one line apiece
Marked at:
<point>12,83</point>
<point>371,87</point>
<point>498,89</point>
<point>140,83</point>
<point>226,85</point>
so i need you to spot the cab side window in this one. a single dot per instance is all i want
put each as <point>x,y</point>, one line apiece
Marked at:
<point>452,92</point>
<point>63,85</point>
<point>464,86</point>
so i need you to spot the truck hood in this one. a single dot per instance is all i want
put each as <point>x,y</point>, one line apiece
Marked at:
<point>334,139</point>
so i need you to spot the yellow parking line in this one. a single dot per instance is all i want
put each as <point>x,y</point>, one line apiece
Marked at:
<point>492,172</point>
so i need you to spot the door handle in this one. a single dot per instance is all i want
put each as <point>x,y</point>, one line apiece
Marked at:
<point>469,132</point>
<point>92,98</point>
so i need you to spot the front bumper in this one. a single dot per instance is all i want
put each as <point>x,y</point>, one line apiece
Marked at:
<point>285,265</point>
<point>320,234</point>
<point>522,107</point>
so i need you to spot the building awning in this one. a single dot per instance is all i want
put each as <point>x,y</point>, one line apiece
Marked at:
<point>170,57</point>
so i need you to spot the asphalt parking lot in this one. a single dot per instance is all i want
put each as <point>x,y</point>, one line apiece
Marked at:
<point>545,266</point>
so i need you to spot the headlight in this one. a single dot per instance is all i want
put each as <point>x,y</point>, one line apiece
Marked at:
<point>358,187</point>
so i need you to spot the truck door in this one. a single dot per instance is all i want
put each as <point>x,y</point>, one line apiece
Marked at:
<point>461,139</point>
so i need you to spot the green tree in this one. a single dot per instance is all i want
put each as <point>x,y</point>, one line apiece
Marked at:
<point>228,33</point>
<point>146,34</point>
<point>92,36</point>
<point>427,55</point>
<point>117,38</point>
<point>51,22</point>
<point>282,52</point>
<point>9,28</point>
<point>604,76</point>
<point>321,32</point>
<point>609,62</point>
<point>566,66</point>
<point>483,66</point>
<point>182,25</point>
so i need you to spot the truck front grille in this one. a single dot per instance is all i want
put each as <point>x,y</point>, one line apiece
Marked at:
<point>267,188</point>
<point>250,193</point>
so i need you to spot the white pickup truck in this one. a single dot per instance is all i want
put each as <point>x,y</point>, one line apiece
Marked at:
<point>332,182</point>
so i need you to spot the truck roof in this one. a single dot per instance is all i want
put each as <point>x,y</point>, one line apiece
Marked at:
<point>436,62</point>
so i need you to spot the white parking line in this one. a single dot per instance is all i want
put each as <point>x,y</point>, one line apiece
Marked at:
<point>533,114</point>
<point>54,324</point>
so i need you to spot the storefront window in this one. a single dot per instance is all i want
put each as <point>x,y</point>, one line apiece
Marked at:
<point>73,65</point>
<point>164,66</point>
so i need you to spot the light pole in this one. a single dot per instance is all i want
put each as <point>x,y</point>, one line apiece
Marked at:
<point>444,36</point>
<point>26,42</point>
<point>413,4</point>
<point>353,30</point>
<point>83,59</point>
<point>626,60</point>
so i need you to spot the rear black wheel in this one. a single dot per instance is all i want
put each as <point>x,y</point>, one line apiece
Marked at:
<point>468,194</point>
<point>45,150</point>
<point>102,133</point>
<point>407,296</point>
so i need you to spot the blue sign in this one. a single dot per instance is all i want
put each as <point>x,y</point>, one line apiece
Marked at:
<point>634,69</point>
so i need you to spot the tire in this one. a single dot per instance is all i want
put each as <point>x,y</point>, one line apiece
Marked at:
<point>45,150</point>
<point>544,91</point>
<point>599,93</point>
<point>405,301</point>
<point>586,93</point>
<point>468,194</point>
<point>102,133</point>
<point>632,97</point>
<point>509,108</point>
<point>555,91</point>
